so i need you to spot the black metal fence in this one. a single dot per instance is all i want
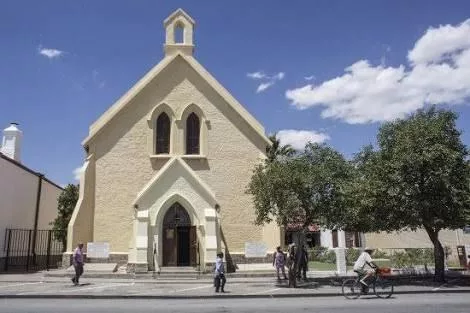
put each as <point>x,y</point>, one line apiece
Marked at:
<point>28,250</point>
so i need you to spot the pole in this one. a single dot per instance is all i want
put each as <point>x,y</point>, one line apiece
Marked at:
<point>36,215</point>
<point>8,250</point>
<point>49,241</point>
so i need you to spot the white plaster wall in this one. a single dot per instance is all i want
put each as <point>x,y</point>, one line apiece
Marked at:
<point>326,239</point>
<point>18,192</point>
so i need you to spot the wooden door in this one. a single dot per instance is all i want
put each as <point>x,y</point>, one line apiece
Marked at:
<point>169,247</point>
<point>193,252</point>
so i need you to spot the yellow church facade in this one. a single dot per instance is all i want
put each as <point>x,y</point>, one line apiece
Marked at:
<point>167,167</point>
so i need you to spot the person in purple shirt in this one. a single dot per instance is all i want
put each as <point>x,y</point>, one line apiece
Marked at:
<point>77,261</point>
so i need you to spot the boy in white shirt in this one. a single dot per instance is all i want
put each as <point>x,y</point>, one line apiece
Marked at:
<point>360,266</point>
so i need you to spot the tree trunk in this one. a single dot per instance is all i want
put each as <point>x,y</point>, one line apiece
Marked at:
<point>439,267</point>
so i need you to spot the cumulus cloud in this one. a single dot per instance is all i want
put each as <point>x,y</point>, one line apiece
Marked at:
<point>50,53</point>
<point>268,80</point>
<point>311,77</point>
<point>78,172</point>
<point>299,138</point>
<point>438,72</point>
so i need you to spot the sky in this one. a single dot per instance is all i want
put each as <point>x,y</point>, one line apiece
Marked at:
<point>324,71</point>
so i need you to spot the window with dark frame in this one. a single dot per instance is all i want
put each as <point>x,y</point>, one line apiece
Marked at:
<point>163,134</point>
<point>192,134</point>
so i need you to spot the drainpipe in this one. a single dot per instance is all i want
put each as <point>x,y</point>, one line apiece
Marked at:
<point>36,215</point>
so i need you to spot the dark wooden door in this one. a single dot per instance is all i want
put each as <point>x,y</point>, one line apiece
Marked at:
<point>194,246</point>
<point>176,237</point>
<point>169,247</point>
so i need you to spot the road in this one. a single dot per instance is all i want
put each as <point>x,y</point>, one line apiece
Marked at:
<point>423,303</point>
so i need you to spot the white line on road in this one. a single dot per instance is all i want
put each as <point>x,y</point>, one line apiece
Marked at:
<point>22,284</point>
<point>194,288</point>
<point>96,287</point>
<point>264,291</point>
<point>78,289</point>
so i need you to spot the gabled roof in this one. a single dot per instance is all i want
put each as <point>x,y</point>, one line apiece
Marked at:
<point>165,173</point>
<point>27,169</point>
<point>97,126</point>
<point>176,14</point>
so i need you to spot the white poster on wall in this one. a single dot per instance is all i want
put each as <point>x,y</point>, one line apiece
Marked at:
<point>255,249</point>
<point>98,250</point>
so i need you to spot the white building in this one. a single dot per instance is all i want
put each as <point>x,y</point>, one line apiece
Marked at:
<point>28,200</point>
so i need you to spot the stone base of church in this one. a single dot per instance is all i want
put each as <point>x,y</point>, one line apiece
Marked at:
<point>119,258</point>
<point>137,268</point>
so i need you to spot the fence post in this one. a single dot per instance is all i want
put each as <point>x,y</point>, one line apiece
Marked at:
<point>49,241</point>
<point>8,250</point>
<point>29,249</point>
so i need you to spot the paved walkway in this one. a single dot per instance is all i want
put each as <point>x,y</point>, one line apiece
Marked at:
<point>44,287</point>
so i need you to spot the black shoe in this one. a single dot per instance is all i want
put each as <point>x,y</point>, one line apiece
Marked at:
<point>222,290</point>
<point>217,290</point>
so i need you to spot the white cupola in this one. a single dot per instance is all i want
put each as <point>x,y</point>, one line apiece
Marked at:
<point>179,27</point>
<point>11,143</point>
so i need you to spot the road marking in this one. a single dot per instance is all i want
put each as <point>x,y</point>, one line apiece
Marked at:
<point>96,287</point>
<point>22,284</point>
<point>194,288</point>
<point>264,291</point>
<point>78,289</point>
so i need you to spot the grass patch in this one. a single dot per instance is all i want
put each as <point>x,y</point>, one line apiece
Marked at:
<point>321,266</point>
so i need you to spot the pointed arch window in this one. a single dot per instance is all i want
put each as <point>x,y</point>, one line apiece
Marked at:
<point>163,134</point>
<point>192,134</point>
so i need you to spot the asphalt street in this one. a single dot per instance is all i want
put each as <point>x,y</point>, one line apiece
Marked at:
<point>425,303</point>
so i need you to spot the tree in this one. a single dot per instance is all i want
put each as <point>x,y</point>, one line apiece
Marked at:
<point>302,189</point>
<point>418,178</point>
<point>276,150</point>
<point>66,203</point>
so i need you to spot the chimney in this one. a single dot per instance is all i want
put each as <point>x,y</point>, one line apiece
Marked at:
<point>11,143</point>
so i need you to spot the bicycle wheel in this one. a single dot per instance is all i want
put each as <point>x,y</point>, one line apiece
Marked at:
<point>351,289</point>
<point>383,288</point>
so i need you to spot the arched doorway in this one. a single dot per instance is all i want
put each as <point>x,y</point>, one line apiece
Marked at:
<point>179,238</point>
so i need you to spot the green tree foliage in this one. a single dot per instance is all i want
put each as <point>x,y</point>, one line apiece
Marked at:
<point>66,203</point>
<point>418,178</point>
<point>301,189</point>
<point>276,150</point>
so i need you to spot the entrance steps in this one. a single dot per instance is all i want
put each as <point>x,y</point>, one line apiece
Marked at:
<point>176,273</point>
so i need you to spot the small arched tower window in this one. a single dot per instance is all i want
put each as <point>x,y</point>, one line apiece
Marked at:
<point>192,134</point>
<point>179,33</point>
<point>163,134</point>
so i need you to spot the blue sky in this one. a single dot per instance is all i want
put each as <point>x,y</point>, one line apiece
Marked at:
<point>63,63</point>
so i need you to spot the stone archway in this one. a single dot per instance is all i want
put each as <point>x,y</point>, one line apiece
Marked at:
<point>179,239</point>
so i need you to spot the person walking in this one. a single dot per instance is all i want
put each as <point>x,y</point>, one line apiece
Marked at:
<point>279,262</point>
<point>302,261</point>
<point>219,277</point>
<point>77,261</point>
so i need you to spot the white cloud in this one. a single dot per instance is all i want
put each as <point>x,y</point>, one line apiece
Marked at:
<point>268,80</point>
<point>312,77</point>
<point>438,73</point>
<point>263,86</point>
<point>256,75</point>
<point>50,53</point>
<point>299,138</point>
<point>78,172</point>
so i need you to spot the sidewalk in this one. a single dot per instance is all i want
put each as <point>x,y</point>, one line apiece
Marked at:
<point>38,286</point>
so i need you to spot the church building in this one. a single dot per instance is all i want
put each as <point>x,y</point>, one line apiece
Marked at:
<point>167,167</point>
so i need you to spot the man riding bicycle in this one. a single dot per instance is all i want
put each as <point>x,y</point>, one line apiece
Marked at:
<point>364,266</point>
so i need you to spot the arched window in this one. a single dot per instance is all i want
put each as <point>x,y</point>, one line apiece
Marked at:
<point>163,134</point>
<point>192,134</point>
<point>179,33</point>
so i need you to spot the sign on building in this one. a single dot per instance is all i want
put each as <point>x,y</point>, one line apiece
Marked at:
<point>99,250</point>
<point>255,249</point>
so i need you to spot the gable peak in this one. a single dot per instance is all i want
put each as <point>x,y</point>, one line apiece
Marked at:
<point>179,29</point>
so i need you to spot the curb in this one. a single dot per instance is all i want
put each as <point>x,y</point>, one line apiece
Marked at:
<point>219,296</point>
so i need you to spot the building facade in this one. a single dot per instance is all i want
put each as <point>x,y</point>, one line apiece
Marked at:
<point>28,199</point>
<point>167,167</point>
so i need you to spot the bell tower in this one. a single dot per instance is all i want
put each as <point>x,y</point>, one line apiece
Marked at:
<point>179,28</point>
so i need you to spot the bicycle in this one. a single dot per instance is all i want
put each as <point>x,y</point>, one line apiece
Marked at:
<point>383,287</point>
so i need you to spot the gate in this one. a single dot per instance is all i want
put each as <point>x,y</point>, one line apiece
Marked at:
<point>29,250</point>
